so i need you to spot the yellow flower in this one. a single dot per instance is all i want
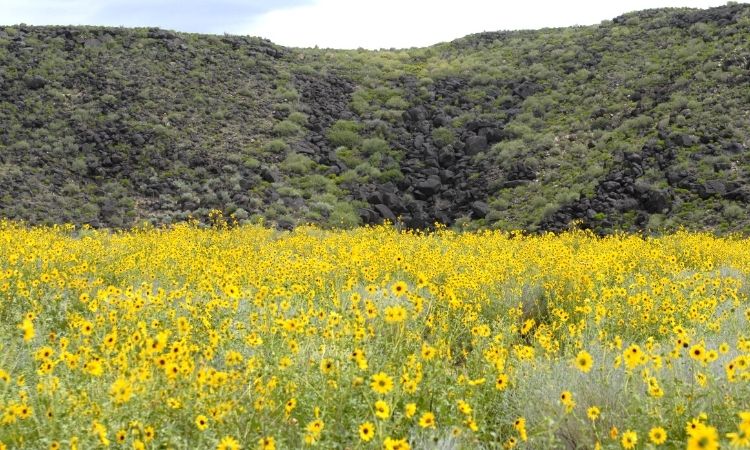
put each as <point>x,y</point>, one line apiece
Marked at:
<point>201,422</point>
<point>327,366</point>
<point>427,420</point>
<point>583,361</point>
<point>86,328</point>
<point>703,437</point>
<point>366,431</point>
<point>629,439</point>
<point>382,410</point>
<point>399,288</point>
<point>315,427</point>
<point>593,413</point>
<point>464,407</point>
<point>94,367</point>
<point>27,327</point>
<point>566,398</point>
<point>698,352</point>
<point>520,426</point>
<point>428,352</point>
<point>121,391</point>
<point>381,383</point>
<point>267,443</point>
<point>395,314</point>
<point>396,444</point>
<point>24,411</point>
<point>410,409</point>
<point>290,405</point>
<point>657,435</point>
<point>228,443</point>
<point>501,382</point>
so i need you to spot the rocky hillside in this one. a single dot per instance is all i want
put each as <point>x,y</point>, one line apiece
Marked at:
<point>641,122</point>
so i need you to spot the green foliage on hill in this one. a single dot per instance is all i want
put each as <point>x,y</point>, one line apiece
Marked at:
<point>637,123</point>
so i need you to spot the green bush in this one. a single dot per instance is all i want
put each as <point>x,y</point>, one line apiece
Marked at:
<point>396,102</point>
<point>343,215</point>
<point>298,118</point>
<point>350,157</point>
<point>443,136</point>
<point>297,163</point>
<point>287,128</point>
<point>374,146</point>
<point>344,133</point>
<point>276,146</point>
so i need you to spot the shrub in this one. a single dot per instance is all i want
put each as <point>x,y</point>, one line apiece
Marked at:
<point>396,102</point>
<point>374,146</point>
<point>297,163</point>
<point>443,136</point>
<point>733,211</point>
<point>276,146</point>
<point>348,156</point>
<point>344,133</point>
<point>298,118</point>
<point>343,215</point>
<point>286,128</point>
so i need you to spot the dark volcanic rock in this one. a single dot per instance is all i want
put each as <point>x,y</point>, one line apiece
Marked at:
<point>656,201</point>
<point>476,144</point>
<point>35,82</point>
<point>479,209</point>
<point>385,212</point>
<point>270,175</point>
<point>526,89</point>
<point>428,187</point>
<point>712,188</point>
<point>416,114</point>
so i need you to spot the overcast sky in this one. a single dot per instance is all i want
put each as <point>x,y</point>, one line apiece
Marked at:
<point>331,23</point>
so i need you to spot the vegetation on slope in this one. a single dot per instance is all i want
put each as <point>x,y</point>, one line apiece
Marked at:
<point>642,122</point>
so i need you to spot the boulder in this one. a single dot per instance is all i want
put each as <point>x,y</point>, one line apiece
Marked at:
<point>476,144</point>
<point>610,186</point>
<point>656,201</point>
<point>418,141</point>
<point>385,212</point>
<point>35,82</point>
<point>683,139</point>
<point>479,209</point>
<point>368,216</point>
<point>526,89</point>
<point>375,198</point>
<point>734,147</point>
<point>270,175</point>
<point>740,193</point>
<point>522,171</point>
<point>394,202</point>
<point>415,114</point>
<point>711,188</point>
<point>441,120</point>
<point>429,187</point>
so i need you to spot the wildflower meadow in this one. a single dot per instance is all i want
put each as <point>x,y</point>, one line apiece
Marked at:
<point>234,337</point>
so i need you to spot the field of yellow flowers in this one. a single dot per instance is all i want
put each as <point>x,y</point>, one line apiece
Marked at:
<point>244,337</point>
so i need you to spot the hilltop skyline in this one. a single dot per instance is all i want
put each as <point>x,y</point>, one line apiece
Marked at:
<point>330,23</point>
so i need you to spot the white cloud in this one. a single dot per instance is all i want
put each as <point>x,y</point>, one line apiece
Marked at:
<point>416,23</point>
<point>46,12</point>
